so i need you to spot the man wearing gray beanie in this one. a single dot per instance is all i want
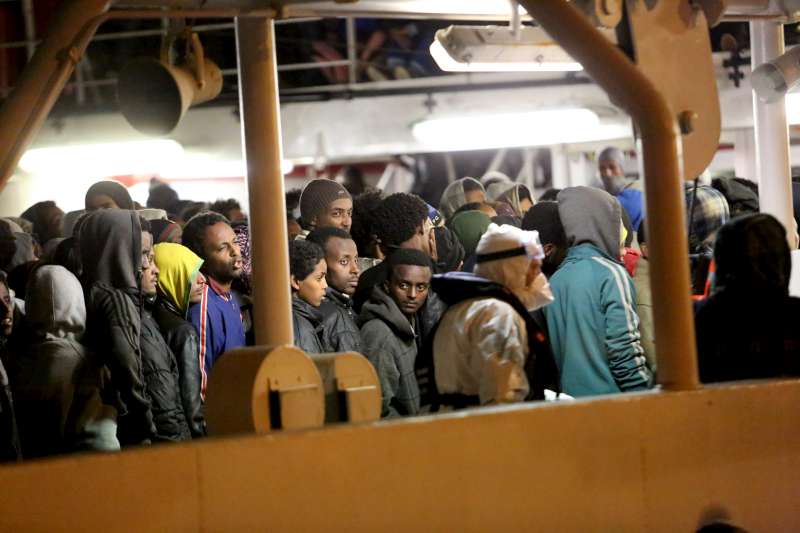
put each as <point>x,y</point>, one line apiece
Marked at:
<point>325,203</point>
<point>610,165</point>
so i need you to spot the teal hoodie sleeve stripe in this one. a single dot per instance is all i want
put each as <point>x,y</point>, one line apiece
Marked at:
<point>623,342</point>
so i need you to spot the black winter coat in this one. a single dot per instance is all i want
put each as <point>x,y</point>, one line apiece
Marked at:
<point>308,328</point>
<point>340,332</point>
<point>162,383</point>
<point>182,339</point>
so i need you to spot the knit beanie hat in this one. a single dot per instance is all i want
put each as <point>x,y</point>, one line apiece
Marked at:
<point>469,227</point>
<point>317,196</point>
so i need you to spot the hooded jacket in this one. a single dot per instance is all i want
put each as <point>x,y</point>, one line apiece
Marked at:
<point>308,327</point>
<point>748,328</point>
<point>454,197</point>
<point>340,329</point>
<point>178,267</point>
<point>110,248</point>
<point>593,325</point>
<point>57,382</point>
<point>162,382</point>
<point>391,344</point>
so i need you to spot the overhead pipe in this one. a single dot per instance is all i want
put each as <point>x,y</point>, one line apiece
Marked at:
<point>661,145</point>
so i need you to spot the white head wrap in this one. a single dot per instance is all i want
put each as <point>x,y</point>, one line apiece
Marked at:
<point>511,270</point>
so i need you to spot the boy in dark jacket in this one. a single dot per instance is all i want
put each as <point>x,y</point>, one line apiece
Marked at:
<point>390,329</point>
<point>158,362</point>
<point>340,332</point>
<point>307,268</point>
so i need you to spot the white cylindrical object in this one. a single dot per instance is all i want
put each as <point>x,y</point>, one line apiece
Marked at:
<point>773,79</point>
<point>772,133</point>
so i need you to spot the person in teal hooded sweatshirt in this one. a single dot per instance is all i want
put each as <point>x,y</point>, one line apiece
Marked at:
<point>593,325</point>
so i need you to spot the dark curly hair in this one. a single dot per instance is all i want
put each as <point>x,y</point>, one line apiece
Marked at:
<point>304,257</point>
<point>292,201</point>
<point>321,236</point>
<point>224,207</point>
<point>194,233</point>
<point>398,218</point>
<point>363,227</point>
<point>407,256</point>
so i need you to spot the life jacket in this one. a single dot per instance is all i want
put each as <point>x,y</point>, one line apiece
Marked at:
<point>540,366</point>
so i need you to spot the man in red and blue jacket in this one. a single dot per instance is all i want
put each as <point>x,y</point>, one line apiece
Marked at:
<point>217,317</point>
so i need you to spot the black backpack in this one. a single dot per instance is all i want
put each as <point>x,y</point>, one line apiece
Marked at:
<point>540,367</point>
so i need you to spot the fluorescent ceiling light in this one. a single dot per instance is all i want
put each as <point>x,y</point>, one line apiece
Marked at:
<point>534,128</point>
<point>497,49</point>
<point>793,108</point>
<point>111,159</point>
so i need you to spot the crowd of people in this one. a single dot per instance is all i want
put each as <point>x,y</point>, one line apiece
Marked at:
<point>114,316</point>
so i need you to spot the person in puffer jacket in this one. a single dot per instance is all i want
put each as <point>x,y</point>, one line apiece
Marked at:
<point>340,331</point>
<point>180,284</point>
<point>390,329</point>
<point>58,384</point>
<point>162,379</point>
<point>593,325</point>
<point>307,268</point>
<point>110,252</point>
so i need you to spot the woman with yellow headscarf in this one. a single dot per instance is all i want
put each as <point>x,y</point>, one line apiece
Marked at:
<point>181,284</point>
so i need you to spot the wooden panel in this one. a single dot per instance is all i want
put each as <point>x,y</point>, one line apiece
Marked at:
<point>654,461</point>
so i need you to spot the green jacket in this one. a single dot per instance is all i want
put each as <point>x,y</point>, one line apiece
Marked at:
<point>593,326</point>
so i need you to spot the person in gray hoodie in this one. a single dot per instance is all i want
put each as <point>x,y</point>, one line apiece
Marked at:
<point>57,382</point>
<point>390,329</point>
<point>593,325</point>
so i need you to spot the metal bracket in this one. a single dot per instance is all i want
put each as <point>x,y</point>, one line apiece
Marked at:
<point>670,38</point>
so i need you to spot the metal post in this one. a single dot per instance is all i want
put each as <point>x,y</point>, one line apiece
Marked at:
<point>661,142</point>
<point>30,27</point>
<point>772,133</point>
<point>352,51</point>
<point>261,133</point>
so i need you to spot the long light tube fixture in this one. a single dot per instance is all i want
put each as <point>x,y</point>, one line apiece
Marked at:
<point>164,157</point>
<point>533,128</point>
<point>498,49</point>
<point>793,108</point>
<point>107,159</point>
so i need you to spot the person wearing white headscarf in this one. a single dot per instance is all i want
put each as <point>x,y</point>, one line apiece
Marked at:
<point>481,345</point>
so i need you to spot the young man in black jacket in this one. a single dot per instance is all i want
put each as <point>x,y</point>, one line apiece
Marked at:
<point>340,331</point>
<point>160,368</point>
<point>390,329</point>
<point>307,268</point>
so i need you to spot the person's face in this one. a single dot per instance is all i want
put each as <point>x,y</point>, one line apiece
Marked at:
<point>196,291</point>
<point>53,218</point>
<point>312,288</point>
<point>524,205</point>
<point>553,257</point>
<point>100,201</point>
<point>6,311</point>
<point>149,268</point>
<point>236,215</point>
<point>341,256</point>
<point>339,214</point>
<point>408,287</point>
<point>488,210</point>
<point>476,196</point>
<point>423,240</point>
<point>223,259</point>
<point>294,229</point>
<point>610,169</point>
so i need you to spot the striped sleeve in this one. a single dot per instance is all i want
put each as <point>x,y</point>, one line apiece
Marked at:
<point>626,358</point>
<point>198,315</point>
